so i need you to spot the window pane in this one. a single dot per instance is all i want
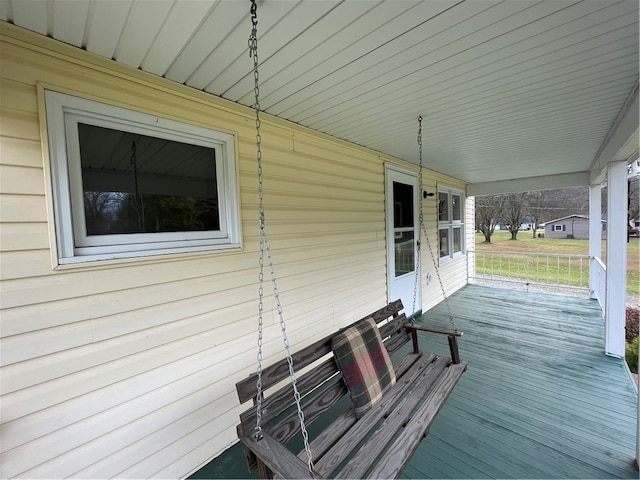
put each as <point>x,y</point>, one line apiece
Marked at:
<point>444,242</point>
<point>404,253</point>
<point>456,206</point>
<point>443,207</point>
<point>402,205</point>
<point>134,183</point>
<point>457,237</point>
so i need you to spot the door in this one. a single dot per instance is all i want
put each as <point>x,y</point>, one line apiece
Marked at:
<point>402,235</point>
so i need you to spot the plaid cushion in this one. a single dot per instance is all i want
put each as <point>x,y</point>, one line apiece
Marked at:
<point>365,364</point>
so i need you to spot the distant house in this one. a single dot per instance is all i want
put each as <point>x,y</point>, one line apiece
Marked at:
<point>572,226</point>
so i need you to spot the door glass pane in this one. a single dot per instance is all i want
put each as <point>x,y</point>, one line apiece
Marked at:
<point>443,207</point>
<point>135,183</point>
<point>444,242</point>
<point>455,206</point>
<point>404,252</point>
<point>402,205</point>
<point>457,244</point>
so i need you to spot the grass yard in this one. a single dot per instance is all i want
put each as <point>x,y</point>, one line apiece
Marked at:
<point>500,242</point>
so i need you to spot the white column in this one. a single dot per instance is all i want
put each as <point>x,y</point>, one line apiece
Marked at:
<point>616,258</point>
<point>595,234</point>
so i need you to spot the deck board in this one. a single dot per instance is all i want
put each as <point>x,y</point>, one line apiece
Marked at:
<point>539,399</point>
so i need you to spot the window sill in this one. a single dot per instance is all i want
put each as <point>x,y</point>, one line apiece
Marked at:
<point>103,261</point>
<point>451,259</point>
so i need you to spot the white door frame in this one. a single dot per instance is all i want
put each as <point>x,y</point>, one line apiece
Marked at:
<point>399,284</point>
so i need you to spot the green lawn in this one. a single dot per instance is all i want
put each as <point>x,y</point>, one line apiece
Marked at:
<point>501,242</point>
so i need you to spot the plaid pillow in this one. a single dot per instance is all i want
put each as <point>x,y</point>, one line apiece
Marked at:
<point>365,364</point>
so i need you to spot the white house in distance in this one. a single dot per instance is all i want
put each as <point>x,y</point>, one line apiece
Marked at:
<point>571,226</point>
<point>129,280</point>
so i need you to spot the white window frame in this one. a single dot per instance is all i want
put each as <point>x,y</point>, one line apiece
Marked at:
<point>450,224</point>
<point>559,228</point>
<point>63,112</point>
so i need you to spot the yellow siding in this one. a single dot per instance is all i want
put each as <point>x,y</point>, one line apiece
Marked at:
<point>128,368</point>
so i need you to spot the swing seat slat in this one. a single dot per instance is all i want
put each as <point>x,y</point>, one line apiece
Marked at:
<point>382,441</point>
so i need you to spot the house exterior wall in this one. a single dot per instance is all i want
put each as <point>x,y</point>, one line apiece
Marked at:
<point>128,367</point>
<point>578,227</point>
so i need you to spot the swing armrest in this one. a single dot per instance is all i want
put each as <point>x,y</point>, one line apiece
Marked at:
<point>451,336</point>
<point>276,457</point>
<point>442,331</point>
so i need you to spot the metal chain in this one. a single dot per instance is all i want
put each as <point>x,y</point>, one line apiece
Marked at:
<point>265,248</point>
<point>421,221</point>
<point>423,229</point>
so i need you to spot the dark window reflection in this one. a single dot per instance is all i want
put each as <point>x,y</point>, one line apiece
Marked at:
<point>135,183</point>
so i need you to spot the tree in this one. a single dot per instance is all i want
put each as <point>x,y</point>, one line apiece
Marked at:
<point>634,197</point>
<point>515,210</point>
<point>489,210</point>
<point>535,202</point>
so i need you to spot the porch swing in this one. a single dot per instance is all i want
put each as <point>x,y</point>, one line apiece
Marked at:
<point>391,408</point>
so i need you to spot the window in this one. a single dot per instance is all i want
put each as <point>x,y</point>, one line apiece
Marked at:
<point>128,184</point>
<point>559,228</point>
<point>450,222</point>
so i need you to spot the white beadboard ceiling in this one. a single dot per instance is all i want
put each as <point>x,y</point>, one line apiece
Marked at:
<point>507,89</point>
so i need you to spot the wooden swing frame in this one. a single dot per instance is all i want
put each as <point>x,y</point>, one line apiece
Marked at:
<point>378,445</point>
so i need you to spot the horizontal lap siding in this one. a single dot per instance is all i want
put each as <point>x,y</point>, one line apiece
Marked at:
<point>128,369</point>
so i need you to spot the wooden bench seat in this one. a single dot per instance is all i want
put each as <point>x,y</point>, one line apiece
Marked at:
<point>378,445</point>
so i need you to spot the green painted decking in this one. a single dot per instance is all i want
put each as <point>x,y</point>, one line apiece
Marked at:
<point>539,399</point>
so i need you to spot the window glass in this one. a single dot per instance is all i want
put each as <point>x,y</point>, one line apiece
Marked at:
<point>135,183</point>
<point>456,207</point>
<point>443,206</point>
<point>457,239</point>
<point>405,261</point>
<point>403,205</point>
<point>444,242</point>
<point>450,222</point>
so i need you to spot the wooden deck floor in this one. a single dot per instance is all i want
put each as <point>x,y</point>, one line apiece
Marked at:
<point>539,400</point>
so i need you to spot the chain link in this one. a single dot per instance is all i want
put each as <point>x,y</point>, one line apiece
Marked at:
<point>265,248</point>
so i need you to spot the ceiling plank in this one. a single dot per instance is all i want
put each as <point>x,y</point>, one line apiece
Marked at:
<point>409,55</point>
<point>488,101</point>
<point>296,23</point>
<point>328,48</point>
<point>305,44</point>
<point>106,21</point>
<point>6,11</point>
<point>618,143</point>
<point>180,25</point>
<point>143,24</point>
<point>69,21</point>
<point>623,28</point>
<point>31,15</point>
<point>234,46</point>
<point>220,22</point>
<point>524,50</point>
<point>517,75</point>
<point>390,26</point>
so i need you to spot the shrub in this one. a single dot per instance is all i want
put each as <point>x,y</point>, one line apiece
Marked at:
<point>631,324</point>
<point>631,355</point>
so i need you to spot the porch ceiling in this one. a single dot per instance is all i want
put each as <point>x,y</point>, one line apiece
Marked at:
<point>508,90</point>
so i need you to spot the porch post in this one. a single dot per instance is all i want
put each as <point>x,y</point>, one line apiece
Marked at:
<point>616,258</point>
<point>595,234</point>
